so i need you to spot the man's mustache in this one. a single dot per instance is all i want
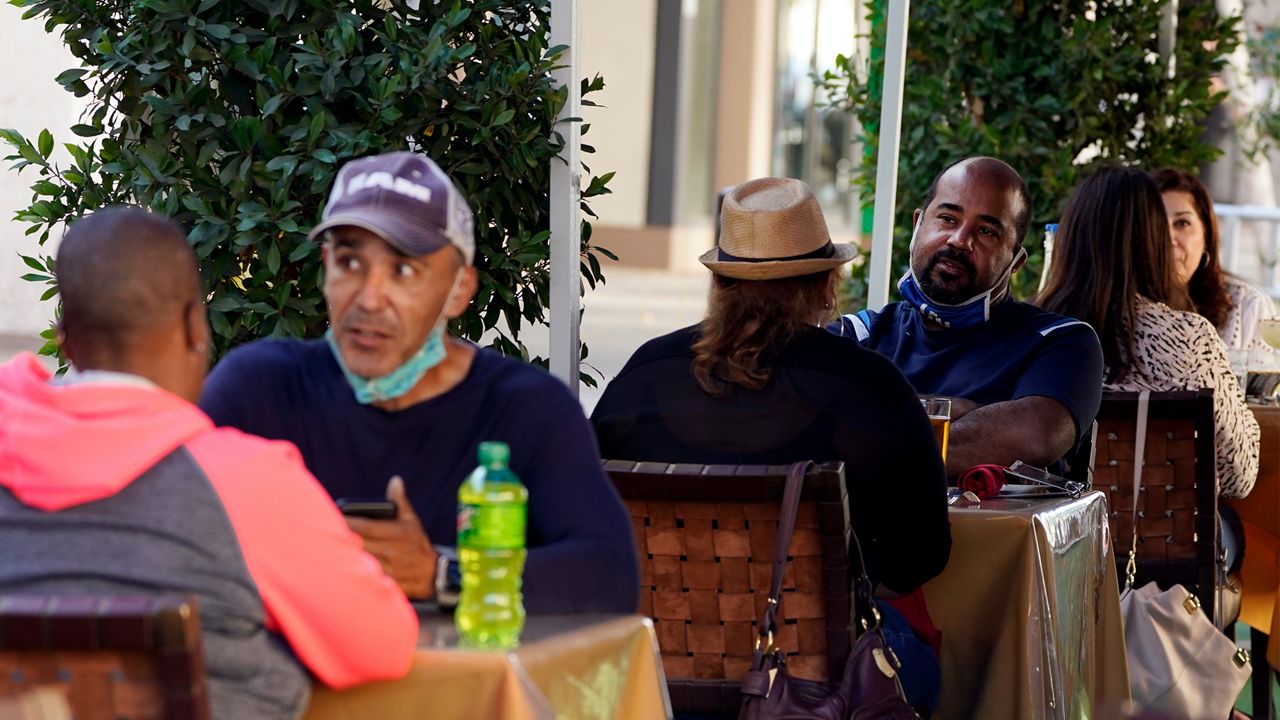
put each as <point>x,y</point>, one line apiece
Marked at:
<point>365,321</point>
<point>954,256</point>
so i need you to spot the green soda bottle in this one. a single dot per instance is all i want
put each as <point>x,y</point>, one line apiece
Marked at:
<point>491,549</point>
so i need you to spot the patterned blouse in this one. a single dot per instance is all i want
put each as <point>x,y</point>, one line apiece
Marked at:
<point>1177,350</point>
<point>1249,306</point>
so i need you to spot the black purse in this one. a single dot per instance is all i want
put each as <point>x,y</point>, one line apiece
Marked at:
<point>869,689</point>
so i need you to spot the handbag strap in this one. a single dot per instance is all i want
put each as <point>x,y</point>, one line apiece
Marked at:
<point>786,527</point>
<point>1139,459</point>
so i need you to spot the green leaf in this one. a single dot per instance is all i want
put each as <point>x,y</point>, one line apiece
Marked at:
<point>504,117</point>
<point>33,263</point>
<point>302,250</point>
<point>44,187</point>
<point>273,104</point>
<point>273,258</point>
<point>218,323</point>
<point>66,77</point>
<point>225,303</point>
<point>316,127</point>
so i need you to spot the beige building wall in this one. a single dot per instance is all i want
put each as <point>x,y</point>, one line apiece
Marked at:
<point>30,101</point>
<point>744,119</point>
<point>618,43</point>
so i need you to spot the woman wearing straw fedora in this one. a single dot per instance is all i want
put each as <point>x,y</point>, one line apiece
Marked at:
<point>759,380</point>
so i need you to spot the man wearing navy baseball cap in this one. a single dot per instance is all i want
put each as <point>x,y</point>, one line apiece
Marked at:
<point>387,403</point>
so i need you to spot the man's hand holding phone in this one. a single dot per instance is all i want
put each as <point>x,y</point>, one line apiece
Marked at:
<point>399,542</point>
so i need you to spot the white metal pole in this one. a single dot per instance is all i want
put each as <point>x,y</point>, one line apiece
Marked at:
<point>1168,37</point>
<point>566,190</point>
<point>895,57</point>
<point>1232,246</point>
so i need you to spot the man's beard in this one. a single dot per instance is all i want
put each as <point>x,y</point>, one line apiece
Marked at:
<point>956,291</point>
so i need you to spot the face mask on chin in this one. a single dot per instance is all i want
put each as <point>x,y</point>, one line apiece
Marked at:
<point>404,378</point>
<point>959,316</point>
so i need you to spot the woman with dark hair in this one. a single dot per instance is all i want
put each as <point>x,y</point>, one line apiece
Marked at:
<point>1114,268</point>
<point>760,381</point>
<point>1233,306</point>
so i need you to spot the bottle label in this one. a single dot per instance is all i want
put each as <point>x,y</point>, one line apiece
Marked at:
<point>495,527</point>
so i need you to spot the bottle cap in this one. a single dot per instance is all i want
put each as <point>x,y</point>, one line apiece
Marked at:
<point>1051,227</point>
<point>494,453</point>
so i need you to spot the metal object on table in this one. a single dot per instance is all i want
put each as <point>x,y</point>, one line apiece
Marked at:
<point>1035,476</point>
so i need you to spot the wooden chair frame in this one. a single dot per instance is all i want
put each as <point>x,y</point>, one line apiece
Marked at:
<point>114,656</point>
<point>705,535</point>
<point>1178,539</point>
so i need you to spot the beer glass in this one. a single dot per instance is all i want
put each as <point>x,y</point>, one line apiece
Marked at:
<point>939,412</point>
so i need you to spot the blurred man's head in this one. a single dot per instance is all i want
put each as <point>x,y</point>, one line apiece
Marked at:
<point>132,299</point>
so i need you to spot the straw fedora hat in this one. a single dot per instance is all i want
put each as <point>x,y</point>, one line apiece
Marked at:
<point>773,228</point>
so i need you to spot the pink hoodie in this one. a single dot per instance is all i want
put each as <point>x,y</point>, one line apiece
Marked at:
<point>65,446</point>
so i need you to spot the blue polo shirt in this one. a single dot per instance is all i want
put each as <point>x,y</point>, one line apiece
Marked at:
<point>1019,352</point>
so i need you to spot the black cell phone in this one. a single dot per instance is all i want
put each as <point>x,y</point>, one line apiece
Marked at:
<point>372,508</point>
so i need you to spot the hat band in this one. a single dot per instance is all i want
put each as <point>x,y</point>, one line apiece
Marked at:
<point>825,251</point>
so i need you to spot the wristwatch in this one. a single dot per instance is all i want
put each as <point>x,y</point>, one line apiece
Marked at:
<point>448,577</point>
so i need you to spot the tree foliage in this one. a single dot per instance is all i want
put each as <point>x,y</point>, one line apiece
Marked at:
<point>1053,87</point>
<point>1263,122</point>
<point>232,117</point>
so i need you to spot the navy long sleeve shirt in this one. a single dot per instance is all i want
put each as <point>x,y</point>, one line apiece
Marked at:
<point>581,551</point>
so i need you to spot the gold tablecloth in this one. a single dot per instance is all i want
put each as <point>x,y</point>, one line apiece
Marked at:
<point>1260,513</point>
<point>568,667</point>
<point>1029,611</point>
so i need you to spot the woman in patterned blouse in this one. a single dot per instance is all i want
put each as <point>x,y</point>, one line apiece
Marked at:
<point>1233,306</point>
<point>1114,268</point>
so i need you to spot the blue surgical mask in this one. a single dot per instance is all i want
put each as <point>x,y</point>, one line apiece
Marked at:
<point>971,312</point>
<point>405,377</point>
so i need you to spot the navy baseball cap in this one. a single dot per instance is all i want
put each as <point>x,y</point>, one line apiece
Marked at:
<point>404,198</point>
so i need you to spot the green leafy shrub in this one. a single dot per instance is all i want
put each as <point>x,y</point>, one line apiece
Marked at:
<point>1263,122</point>
<point>1041,84</point>
<point>233,118</point>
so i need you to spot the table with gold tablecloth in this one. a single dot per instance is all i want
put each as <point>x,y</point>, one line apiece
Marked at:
<point>566,667</point>
<point>1029,610</point>
<point>1260,513</point>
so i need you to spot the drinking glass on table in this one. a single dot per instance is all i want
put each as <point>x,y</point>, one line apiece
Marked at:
<point>939,412</point>
<point>1264,372</point>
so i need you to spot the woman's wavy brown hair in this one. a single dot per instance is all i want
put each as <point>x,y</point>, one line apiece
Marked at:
<point>1208,286</point>
<point>749,322</point>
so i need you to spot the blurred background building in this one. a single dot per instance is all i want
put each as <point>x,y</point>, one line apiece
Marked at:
<point>704,94</point>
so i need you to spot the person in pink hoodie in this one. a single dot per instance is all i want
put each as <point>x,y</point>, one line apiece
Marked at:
<point>113,481</point>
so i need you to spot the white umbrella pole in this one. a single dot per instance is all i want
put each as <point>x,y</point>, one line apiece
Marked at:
<point>1169,36</point>
<point>895,57</point>
<point>566,225</point>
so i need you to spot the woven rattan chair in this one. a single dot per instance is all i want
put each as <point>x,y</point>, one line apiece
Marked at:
<point>115,657</point>
<point>705,535</point>
<point>1178,508</point>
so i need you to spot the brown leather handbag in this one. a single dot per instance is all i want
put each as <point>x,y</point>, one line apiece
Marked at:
<point>869,690</point>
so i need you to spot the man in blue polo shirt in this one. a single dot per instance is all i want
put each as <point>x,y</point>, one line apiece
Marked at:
<point>1025,384</point>
<point>389,403</point>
